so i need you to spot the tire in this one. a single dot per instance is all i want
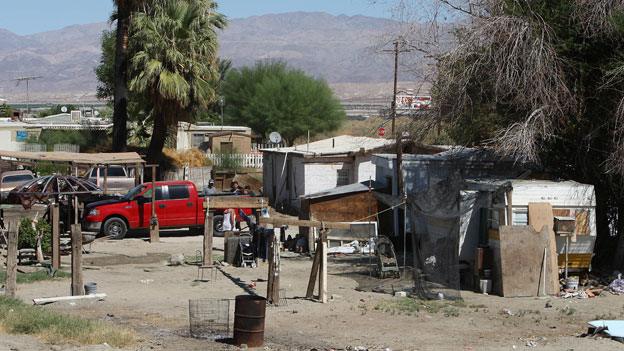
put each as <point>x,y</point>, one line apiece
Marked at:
<point>115,228</point>
<point>218,226</point>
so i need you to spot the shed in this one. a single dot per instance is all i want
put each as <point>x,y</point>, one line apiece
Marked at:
<point>292,172</point>
<point>214,139</point>
<point>349,203</point>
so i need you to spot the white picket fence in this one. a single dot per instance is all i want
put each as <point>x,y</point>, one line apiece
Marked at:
<point>67,148</point>
<point>242,160</point>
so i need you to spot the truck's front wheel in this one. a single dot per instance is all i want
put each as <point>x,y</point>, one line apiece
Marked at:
<point>115,228</point>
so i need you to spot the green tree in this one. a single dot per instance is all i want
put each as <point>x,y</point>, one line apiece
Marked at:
<point>272,97</point>
<point>175,64</point>
<point>6,110</point>
<point>542,82</point>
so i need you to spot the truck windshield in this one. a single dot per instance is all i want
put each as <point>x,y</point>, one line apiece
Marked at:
<point>133,192</point>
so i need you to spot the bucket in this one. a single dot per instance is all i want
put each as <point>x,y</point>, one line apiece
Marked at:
<point>249,312</point>
<point>485,286</point>
<point>572,283</point>
<point>90,288</point>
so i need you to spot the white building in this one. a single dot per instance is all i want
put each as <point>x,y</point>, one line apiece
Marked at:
<point>292,172</point>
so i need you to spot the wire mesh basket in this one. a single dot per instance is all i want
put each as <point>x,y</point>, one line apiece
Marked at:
<point>209,318</point>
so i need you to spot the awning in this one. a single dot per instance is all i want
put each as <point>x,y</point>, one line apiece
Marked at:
<point>75,158</point>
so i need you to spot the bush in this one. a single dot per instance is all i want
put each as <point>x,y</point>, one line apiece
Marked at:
<point>28,235</point>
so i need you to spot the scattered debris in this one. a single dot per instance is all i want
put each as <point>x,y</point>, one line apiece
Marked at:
<point>617,285</point>
<point>548,304</point>
<point>507,312</point>
<point>176,260</point>
<point>47,300</point>
<point>146,281</point>
<point>400,294</point>
<point>577,294</point>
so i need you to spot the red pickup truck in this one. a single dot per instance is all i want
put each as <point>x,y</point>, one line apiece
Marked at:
<point>178,205</point>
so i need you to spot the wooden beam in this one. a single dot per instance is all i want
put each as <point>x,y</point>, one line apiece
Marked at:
<point>273,281</point>
<point>314,272</point>
<point>77,286</point>
<point>56,236</point>
<point>323,272</point>
<point>238,202</point>
<point>304,223</point>
<point>47,300</point>
<point>509,207</point>
<point>11,276</point>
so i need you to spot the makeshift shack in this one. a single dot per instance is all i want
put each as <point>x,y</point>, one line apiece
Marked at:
<point>348,203</point>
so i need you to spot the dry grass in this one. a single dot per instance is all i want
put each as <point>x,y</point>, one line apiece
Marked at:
<point>18,318</point>
<point>192,158</point>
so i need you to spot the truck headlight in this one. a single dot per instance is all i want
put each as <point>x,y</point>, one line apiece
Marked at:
<point>94,212</point>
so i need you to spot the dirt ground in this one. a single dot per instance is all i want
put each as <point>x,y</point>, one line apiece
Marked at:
<point>152,298</point>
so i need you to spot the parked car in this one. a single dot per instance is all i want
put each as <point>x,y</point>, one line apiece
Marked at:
<point>11,179</point>
<point>117,178</point>
<point>178,205</point>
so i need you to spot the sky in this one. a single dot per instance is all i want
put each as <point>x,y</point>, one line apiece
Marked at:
<point>33,16</point>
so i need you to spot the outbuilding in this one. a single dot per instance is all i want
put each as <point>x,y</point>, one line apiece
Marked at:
<point>292,172</point>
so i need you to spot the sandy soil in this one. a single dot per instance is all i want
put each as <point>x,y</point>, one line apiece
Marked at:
<point>152,298</point>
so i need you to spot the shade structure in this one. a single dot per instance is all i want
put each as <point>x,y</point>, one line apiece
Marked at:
<point>42,190</point>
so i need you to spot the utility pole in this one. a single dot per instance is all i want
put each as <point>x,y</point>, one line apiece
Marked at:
<point>27,79</point>
<point>393,106</point>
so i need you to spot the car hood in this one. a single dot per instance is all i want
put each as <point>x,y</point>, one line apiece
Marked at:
<point>105,202</point>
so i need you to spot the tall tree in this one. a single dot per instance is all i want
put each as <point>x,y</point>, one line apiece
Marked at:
<point>175,65</point>
<point>272,97</point>
<point>120,100</point>
<point>544,79</point>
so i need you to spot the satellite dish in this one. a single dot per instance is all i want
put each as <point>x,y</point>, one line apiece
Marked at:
<point>275,138</point>
<point>64,109</point>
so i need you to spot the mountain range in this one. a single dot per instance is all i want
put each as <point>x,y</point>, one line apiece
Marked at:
<point>340,49</point>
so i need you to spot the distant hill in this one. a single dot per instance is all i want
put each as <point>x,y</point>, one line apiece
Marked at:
<point>340,49</point>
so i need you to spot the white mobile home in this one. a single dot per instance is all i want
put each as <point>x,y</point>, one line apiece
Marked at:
<point>292,172</point>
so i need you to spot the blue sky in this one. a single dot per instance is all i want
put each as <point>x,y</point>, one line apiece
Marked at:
<point>32,16</point>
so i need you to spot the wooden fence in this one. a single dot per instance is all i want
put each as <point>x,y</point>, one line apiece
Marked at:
<point>198,175</point>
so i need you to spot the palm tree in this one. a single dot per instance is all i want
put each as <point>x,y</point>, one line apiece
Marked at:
<point>176,65</point>
<point>120,100</point>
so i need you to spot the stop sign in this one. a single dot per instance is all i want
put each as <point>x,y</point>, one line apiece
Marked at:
<point>381,132</point>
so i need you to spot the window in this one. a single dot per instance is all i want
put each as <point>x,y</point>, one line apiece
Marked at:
<point>18,178</point>
<point>159,194</point>
<point>343,177</point>
<point>114,171</point>
<point>178,192</point>
<point>520,216</point>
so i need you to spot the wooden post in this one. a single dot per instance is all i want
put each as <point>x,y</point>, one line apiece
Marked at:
<point>137,176</point>
<point>106,179</point>
<point>154,225</point>
<point>315,270</point>
<point>208,234</point>
<point>323,268</point>
<point>11,276</point>
<point>56,236</point>
<point>274,271</point>
<point>77,286</point>
<point>509,208</point>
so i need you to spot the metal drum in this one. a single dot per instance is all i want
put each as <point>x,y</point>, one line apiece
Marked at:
<point>249,313</point>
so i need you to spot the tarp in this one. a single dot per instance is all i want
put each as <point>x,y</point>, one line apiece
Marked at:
<point>76,158</point>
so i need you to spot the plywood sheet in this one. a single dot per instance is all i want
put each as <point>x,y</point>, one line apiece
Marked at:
<point>521,259</point>
<point>540,215</point>
<point>582,222</point>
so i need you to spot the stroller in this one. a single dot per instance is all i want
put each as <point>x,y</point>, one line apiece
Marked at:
<point>247,251</point>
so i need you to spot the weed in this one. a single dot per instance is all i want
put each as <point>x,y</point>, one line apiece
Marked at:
<point>411,306</point>
<point>25,278</point>
<point>18,318</point>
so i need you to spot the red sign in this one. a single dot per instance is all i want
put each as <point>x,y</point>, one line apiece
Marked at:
<point>381,132</point>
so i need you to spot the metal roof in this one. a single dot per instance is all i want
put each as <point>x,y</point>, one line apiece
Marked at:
<point>76,158</point>
<point>342,144</point>
<point>346,189</point>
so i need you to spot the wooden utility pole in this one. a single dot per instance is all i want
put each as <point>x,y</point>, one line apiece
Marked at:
<point>154,226</point>
<point>77,286</point>
<point>208,234</point>
<point>56,236</point>
<point>11,276</point>
<point>393,106</point>
<point>273,281</point>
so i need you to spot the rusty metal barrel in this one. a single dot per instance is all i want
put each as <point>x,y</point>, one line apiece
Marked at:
<point>249,312</point>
